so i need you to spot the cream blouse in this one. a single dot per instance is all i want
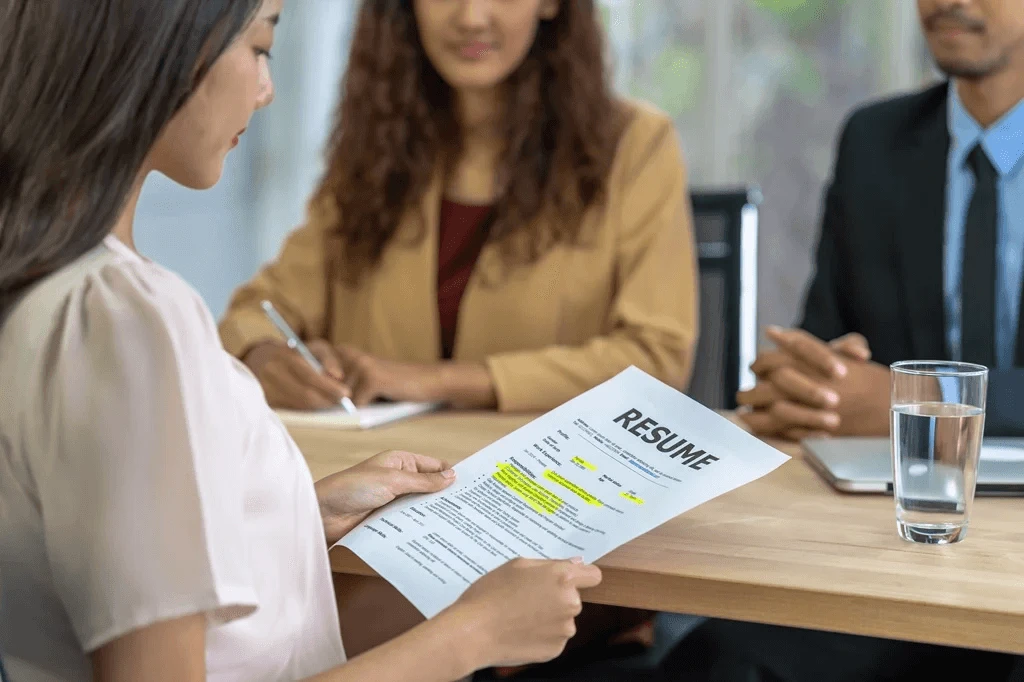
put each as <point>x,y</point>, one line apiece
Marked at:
<point>144,478</point>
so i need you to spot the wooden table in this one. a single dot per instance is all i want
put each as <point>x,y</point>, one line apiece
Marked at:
<point>786,550</point>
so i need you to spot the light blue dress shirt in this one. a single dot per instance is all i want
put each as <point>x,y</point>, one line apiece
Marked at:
<point>1003,141</point>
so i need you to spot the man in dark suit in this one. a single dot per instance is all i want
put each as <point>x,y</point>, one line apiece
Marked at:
<point>921,254</point>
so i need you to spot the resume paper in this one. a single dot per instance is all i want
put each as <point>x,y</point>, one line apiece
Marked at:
<point>583,479</point>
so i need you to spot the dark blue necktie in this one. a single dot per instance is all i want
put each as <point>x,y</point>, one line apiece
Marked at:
<point>978,283</point>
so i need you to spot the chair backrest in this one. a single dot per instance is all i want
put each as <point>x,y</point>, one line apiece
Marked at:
<point>725,223</point>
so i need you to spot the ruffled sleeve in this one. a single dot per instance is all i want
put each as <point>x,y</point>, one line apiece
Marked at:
<point>141,487</point>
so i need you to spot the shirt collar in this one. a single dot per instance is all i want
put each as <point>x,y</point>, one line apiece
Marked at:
<point>1003,141</point>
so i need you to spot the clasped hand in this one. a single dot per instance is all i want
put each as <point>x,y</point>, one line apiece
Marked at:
<point>807,387</point>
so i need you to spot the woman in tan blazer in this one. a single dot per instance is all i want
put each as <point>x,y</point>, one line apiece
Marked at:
<point>495,229</point>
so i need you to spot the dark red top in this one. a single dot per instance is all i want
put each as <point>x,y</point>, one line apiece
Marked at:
<point>462,236</point>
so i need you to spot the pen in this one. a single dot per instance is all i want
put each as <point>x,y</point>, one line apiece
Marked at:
<point>295,343</point>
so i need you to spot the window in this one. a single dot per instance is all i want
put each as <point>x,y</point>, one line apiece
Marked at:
<point>758,90</point>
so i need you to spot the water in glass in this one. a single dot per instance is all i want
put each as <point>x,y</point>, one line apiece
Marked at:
<point>935,461</point>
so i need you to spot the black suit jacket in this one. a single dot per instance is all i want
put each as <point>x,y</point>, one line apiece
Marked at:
<point>879,262</point>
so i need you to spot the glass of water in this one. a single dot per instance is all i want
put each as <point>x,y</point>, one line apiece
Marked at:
<point>936,425</point>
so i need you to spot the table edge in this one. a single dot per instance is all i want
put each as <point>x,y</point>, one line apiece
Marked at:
<point>789,606</point>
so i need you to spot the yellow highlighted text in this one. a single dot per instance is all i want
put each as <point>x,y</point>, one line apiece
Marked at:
<point>572,487</point>
<point>632,498</point>
<point>584,463</point>
<point>537,496</point>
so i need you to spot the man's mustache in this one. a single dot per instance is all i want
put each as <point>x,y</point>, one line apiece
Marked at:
<point>953,17</point>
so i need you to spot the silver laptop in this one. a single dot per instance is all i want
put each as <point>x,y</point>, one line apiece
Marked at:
<point>864,465</point>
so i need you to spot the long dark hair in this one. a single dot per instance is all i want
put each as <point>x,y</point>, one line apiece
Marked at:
<point>396,124</point>
<point>86,87</point>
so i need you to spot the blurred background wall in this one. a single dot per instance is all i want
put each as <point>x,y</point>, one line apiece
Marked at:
<point>758,89</point>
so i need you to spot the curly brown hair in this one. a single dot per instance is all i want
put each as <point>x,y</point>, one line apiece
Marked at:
<point>396,127</point>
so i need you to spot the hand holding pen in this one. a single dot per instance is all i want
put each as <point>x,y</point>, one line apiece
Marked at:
<point>297,376</point>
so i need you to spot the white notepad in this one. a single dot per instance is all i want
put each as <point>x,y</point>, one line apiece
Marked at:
<point>365,418</point>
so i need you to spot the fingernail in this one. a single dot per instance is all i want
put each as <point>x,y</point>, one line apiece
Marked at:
<point>577,560</point>
<point>832,398</point>
<point>839,370</point>
<point>449,473</point>
<point>832,419</point>
<point>774,329</point>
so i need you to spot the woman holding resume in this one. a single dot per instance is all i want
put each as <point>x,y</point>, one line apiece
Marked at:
<point>495,228</point>
<point>157,522</point>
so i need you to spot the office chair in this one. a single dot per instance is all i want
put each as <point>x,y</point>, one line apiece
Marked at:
<point>725,224</point>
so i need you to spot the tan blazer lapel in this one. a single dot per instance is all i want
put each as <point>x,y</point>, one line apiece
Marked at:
<point>406,297</point>
<point>492,308</point>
